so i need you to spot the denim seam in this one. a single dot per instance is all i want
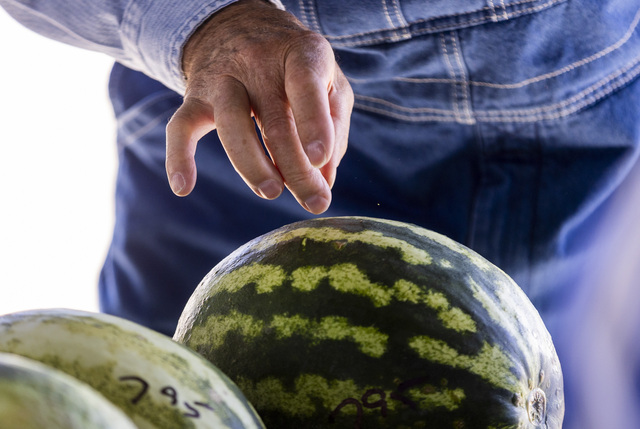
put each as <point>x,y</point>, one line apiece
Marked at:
<point>505,15</point>
<point>398,23</point>
<point>464,86</point>
<point>456,15</point>
<point>308,15</point>
<point>410,114</point>
<point>398,11</point>
<point>133,112</point>
<point>604,52</point>
<point>583,99</point>
<point>536,79</point>
<point>126,122</point>
<point>408,110</point>
<point>459,88</point>
<point>567,108</point>
<point>129,30</point>
<point>129,139</point>
<point>596,91</point>
<point>395,19</point>
<point>401,117</point>
<point>452,74</point>
<point>494,13</point>
<point>492,7</point>
<point>387,15</point>
<point>396,34</point>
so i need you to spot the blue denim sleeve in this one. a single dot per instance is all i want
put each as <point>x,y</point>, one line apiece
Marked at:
<point>145,35</point>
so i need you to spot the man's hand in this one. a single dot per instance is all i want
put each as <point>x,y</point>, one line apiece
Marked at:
<point>253,59</point>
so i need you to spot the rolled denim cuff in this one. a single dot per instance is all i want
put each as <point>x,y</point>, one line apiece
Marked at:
<point>155,32</point>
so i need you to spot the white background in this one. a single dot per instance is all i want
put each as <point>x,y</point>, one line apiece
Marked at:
<point>58,161</point>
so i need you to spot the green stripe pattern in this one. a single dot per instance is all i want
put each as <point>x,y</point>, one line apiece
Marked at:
<point>460,325</point>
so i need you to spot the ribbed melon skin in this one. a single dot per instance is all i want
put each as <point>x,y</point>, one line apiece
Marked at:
<point>158,383</point>
<point>368,323</point>
<point>35,396</point>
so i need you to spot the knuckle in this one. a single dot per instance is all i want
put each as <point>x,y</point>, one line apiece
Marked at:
<point>313,38</point>
<point>302,181</point>
<point>310,50</point>
<point>342,89</point>
<point>192,109</point>
<point>278,127</point>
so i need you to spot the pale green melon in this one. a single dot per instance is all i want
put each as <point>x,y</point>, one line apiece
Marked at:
<point>154,380</point>
<point>35,396</point>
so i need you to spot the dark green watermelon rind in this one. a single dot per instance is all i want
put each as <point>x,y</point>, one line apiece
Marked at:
<point>454,383</point>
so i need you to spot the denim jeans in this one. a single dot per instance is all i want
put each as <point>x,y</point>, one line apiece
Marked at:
<point>506,125</point>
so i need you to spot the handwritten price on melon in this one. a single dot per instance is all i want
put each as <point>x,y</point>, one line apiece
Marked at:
<point>377,398</point>
<point>168,391</point>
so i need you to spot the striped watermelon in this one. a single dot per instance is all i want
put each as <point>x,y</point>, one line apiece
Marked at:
<point>35,396</point>
<point>367,323</point>
<point>157,382</point>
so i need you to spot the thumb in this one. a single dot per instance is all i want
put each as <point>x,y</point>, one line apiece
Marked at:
<point>192,121</point>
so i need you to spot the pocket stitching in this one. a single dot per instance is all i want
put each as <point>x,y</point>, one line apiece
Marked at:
<point>494,16</point>
<point>536,79</point>
<point>573,104</point>
<point>403,33</point>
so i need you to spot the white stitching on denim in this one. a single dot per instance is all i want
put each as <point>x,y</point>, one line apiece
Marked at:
<point>404,25</point>
<point>464,85</point>
<point>505,15</point>
<point>580,63</point>
<point>340,40</point>
<point>492,7</point>
<point>129,139</point>
<point>452,73</point>
<point>400,25</point>
<point>625,38</point>
<point>308,15</point>
<point>587,97</point>
<point>564,105</point>
<point>454,15</point>
<point>407,79</point>
<point>588,100</point>
<point>386,13</point>
<point>459,86</point>
<point>314,17</point>
<point>303,13</point>
<point>399,15</point>
<point>133,113</point>
<point>386,103</point>
<point>402,117</point>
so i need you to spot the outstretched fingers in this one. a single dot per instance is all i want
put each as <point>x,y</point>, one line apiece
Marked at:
<point>226,109</point>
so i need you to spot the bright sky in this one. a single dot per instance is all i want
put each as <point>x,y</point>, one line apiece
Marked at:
<point>58,166</point>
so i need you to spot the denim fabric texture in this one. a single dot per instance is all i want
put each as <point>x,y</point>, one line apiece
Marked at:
<point>507,125</point>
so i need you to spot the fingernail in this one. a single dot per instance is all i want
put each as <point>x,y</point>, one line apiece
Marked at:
<point>316,204</point>
<point>177,183</point>
<point>316,153</point>
<point>270,189</point>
